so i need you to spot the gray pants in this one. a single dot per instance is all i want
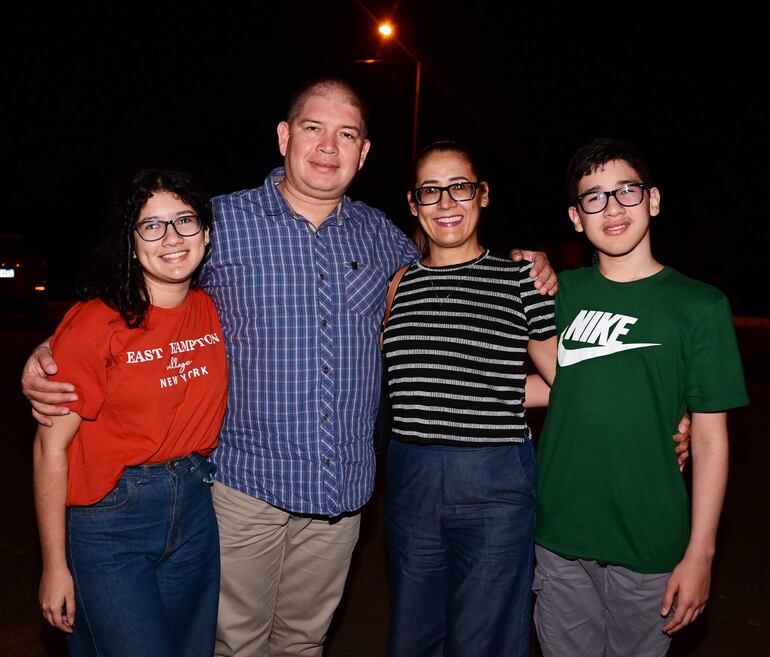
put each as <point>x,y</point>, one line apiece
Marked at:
<point>586,609</point>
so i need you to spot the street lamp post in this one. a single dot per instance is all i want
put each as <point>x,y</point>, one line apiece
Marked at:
<point>416,109</point>
<point>387,32</point>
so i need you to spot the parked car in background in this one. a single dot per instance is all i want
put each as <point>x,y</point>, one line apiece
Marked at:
<point>23,281</point>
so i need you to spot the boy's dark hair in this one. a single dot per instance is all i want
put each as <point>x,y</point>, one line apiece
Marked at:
<point>114,275</point>
<point>325,84</point>
<point>596,154</point>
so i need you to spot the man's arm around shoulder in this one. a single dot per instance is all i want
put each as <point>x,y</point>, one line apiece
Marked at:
<point>44,395</point>
<point>546,281</point>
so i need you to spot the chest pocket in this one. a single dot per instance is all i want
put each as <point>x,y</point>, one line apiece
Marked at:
<point>365,288</point>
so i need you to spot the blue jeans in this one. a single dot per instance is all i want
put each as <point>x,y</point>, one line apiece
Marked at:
<point>145,562</point>
<point>460,524</point>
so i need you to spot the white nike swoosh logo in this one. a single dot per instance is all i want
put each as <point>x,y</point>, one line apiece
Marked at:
<point>569,357</point>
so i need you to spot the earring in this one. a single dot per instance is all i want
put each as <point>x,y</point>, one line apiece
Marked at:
<point>483,204</point>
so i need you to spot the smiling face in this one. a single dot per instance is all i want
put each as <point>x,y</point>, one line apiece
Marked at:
<point>169,262</point>
<point>450,226</point>
<point>617,231</point>
<point>323,146</point>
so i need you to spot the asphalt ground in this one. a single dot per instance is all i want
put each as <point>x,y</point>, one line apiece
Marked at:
<point>736,621</point>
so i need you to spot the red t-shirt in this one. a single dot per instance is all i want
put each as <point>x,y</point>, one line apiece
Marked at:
<point>146,395</point>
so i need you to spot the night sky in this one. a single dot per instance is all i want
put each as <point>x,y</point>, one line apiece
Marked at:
<point>94,91</point>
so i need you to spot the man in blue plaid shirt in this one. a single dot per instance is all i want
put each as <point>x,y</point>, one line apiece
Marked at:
<point>299,274</point>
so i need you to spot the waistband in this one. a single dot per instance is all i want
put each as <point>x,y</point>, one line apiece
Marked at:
<point>181,465</point>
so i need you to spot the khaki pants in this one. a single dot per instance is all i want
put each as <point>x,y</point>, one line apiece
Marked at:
<point>282,577</point>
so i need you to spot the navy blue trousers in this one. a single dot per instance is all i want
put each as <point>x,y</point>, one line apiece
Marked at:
<point>460,524</point>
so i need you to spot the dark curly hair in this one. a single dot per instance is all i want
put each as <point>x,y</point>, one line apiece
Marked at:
<point>114,275</point>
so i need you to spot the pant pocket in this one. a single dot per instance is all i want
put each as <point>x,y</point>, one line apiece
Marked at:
<point>543,612</point>
<point>118,498</point>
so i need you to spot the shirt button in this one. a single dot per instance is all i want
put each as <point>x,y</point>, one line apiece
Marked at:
<point>324,322</point>
<point>322,276</point>
<point>325,370</point>
<point>325,418</point>
<point>328,461</point>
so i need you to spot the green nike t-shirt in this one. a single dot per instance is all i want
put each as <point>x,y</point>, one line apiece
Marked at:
<point>632,358</point>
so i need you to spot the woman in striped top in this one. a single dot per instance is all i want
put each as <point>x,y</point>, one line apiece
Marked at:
<point>461,474</point>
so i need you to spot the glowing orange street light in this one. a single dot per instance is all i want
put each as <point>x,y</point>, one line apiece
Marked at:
<point>386,30</point>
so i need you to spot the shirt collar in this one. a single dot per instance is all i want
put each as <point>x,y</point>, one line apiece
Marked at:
<point>275,203</point>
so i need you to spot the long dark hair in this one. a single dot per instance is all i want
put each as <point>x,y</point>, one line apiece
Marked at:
<point>115,276</point>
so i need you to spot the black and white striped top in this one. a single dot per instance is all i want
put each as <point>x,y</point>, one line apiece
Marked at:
<point>455,346</point>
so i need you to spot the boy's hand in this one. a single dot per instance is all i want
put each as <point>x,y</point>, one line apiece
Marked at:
<point>682,440</point>
<point>689,584</point>
<point>544,275</point>
<point>57,598</point>
<point>45,395</point>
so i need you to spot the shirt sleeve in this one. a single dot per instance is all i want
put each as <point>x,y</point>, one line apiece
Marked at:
<point>538,308</point>
<point>715,373</point>
<point>404,249</point>
<point>81,349</point>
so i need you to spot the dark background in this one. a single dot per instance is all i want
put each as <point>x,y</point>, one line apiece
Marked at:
<point>93,90</point>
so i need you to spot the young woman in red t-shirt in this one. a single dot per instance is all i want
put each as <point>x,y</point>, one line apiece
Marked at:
<point>122,484</point>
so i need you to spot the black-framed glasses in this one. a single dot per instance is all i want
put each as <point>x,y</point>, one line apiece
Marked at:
<point>153,230</point>
<point>459,191</point>
<point>627,195</point>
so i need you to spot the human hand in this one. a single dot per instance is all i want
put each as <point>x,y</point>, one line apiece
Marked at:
<point>544,275</point>
<point>682,440</point>
<point>45,396</point>
<point>57,598</point>
<point>689,584</point>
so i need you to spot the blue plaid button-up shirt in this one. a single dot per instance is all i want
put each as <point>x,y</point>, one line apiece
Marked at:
<point>301,311</point>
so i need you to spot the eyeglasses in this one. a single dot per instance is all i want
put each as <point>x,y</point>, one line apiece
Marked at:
<point>431,194</point>
<point>627,195</point>
<point>154,229</point>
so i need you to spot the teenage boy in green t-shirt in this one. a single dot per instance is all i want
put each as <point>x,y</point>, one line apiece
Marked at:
<point>620,567</point>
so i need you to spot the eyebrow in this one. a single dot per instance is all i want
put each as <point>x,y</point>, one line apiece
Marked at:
<point>154,217</point>
<point>436,182</point>
<point>618,185</point>
<point>342,127</point>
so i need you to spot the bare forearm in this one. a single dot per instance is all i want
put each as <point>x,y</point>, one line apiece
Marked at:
<point>543,355</point>
<point>51,470</point>
<point>50,485</point>
<point>56,593</point>
<point>710,456</point>
<point>536,392</point>
<point>690,581</point>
